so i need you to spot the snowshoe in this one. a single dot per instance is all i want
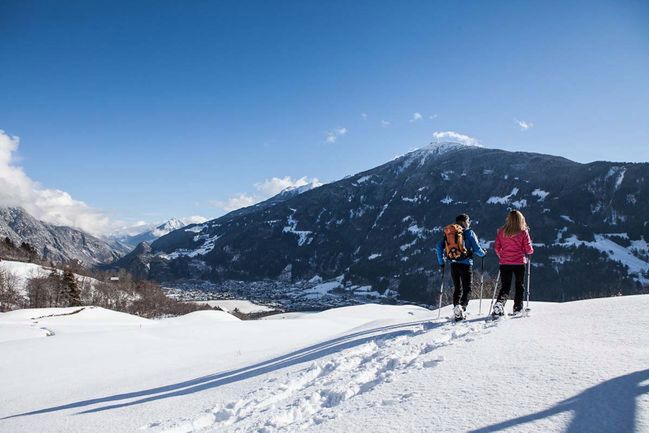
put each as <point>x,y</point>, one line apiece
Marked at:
<point>522,312</point>
<point>498,310</point>
<point>458,313</point>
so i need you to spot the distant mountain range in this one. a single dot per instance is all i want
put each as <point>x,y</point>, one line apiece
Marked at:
<point>56,243</point>
<point>149,235</point>
<point>589,223</point>
<point>60,244</point>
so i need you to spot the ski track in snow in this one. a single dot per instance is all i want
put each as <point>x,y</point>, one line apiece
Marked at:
<point>295,400</point>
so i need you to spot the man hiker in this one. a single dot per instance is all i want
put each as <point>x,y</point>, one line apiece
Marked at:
<point>458,246</point>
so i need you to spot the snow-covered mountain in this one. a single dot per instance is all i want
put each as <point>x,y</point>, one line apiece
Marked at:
<point>56,243</point>
<point>589,225</point>
<point>151,233</point>
<point>568,367</point>
<point>292,191</point>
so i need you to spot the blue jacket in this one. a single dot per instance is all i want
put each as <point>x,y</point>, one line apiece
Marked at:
<point>470,242</point>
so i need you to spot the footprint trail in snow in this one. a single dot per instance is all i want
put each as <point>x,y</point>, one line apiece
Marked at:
<point>300,398</point>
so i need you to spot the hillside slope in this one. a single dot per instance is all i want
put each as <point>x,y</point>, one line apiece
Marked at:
<point>56,243</point>
<point>19,274</point>
<point>572,367</point>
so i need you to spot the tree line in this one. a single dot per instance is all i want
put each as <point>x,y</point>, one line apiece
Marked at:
<point>73,285</point>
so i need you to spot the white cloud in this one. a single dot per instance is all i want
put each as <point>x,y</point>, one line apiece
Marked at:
<point>432,116</point>
<point>194,219</point>
<point>523,125</point>
<point>265,190</point>
<point>332,136</point>
<point>275,185</point>
<point>416,117</point>
<point>237,202</point>
<point>55,206</point>
<point>364,116</point>
<point>50,205</point>
<point>131,229</point>
<point>385,123</point>
<point>444,136</point>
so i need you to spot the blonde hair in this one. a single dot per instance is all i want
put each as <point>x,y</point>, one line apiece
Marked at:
<point>514,223</point>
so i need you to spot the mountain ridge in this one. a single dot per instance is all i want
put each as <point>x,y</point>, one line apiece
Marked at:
<point>378,226</point>
<point>56,243</point>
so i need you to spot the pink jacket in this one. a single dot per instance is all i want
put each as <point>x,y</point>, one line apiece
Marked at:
<point>512,250</point>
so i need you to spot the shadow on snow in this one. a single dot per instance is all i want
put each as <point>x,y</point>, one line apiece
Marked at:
<point>306,354</point>
<point>604,408</point>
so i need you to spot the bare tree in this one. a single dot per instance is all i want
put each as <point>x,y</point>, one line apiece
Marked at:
<point>40,293</point>
<point>9,296</point>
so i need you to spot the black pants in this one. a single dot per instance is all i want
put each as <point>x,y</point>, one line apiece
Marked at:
<point>517,273</point>
<point>461,275</point>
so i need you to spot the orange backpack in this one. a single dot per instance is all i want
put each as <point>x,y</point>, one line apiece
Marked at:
<point>454,242</point>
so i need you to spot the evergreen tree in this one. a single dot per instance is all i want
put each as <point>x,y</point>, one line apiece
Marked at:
<point>29,251</point>
<point>57,289</point>
<point>9,243</point>
<point>73,295</point>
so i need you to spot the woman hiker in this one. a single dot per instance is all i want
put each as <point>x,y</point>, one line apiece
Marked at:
<point>513,244</point>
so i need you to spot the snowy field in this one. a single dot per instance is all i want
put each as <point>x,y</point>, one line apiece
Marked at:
<point>244,306</point>
<point>21,272</point>
<point>580,367</point>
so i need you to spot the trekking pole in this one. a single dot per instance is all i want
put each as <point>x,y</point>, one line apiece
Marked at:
<point>441,290</point>
<point>481,285</point>
<point>493,298</point>
<point>529,275</point>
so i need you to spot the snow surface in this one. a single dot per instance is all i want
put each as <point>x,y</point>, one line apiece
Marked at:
<point>572,367</point>
<point>567,218</point>
<point>244,306</point>
<point>615,252</point>
<point>520,204</point>
<point>322,289</point>
<point>291,227</point>
<point>446,200</point>
<point>503,200</point>
<point>206,247</point>
<point>363,179</point>
<point>22,272</point>
<point>540,194</point>
<point>196,229</point>
<point>618,173</point>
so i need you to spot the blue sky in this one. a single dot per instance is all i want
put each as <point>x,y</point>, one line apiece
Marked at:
<point>151,109</point>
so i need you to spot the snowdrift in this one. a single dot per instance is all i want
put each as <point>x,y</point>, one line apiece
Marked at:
<point>573,367</point>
